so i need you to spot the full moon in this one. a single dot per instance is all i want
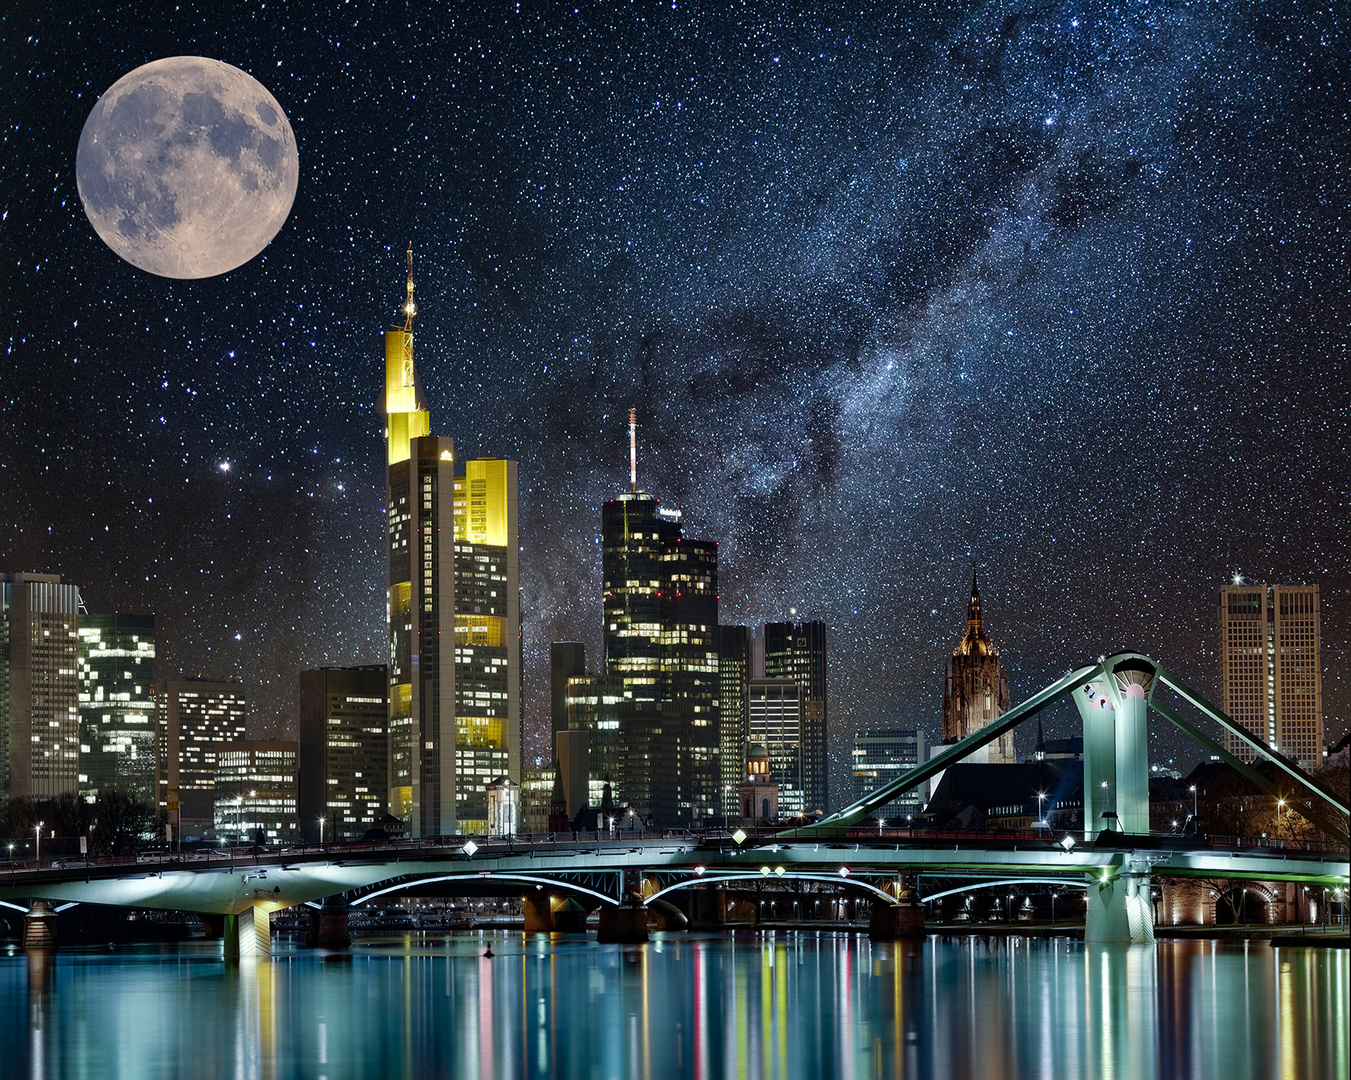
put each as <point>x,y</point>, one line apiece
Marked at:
<point>187,167</point>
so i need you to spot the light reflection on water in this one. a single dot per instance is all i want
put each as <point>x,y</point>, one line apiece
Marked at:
<point>683,1005</point>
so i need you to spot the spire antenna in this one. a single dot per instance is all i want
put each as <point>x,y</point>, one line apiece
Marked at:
<point>633,449</point>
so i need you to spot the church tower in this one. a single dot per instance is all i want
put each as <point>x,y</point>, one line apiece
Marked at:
<point>976,691</point>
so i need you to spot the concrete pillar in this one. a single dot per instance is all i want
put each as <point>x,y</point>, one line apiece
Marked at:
<point>624,924</point>
<point>255,929</point>
<point>539,914</point>
<point>39,926</point>
<point>708,908</point>
<point>1119,911</point>
<point>891,922</point>
<point>229,937</point>
<point>1095,710</point>
<point>1133,681</point>
<point>331,928</point>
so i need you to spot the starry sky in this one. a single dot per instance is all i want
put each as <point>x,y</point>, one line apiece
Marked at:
<point>1057,290</point>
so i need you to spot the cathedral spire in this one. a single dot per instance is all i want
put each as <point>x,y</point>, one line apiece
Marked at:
<point>975,617</point>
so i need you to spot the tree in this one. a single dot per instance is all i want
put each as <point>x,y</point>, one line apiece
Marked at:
<point>120,824</point>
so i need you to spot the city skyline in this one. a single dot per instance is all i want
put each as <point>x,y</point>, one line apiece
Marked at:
<point>891,298</point>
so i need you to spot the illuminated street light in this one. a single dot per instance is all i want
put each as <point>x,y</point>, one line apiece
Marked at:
<point>39,840</point>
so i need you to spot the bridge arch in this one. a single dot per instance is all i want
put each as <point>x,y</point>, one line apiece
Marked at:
<point>788,875</point>
<point>559,884</point>
<point>1005,881</point>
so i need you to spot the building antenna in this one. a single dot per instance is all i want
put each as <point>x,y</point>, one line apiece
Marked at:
<point>633,449</point>
<point>409,309</point>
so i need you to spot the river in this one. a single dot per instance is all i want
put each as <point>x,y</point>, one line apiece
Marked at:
<point>684,1005</point>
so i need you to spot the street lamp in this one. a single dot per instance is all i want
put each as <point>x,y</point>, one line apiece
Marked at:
<point>38,847</point>
<point>1280,806</point>
<point>321,832</point>
<point>1041,799</point>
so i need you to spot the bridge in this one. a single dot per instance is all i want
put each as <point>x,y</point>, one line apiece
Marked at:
<point>625,876</point>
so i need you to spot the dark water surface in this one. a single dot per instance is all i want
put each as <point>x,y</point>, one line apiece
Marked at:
<point>691,1005</point>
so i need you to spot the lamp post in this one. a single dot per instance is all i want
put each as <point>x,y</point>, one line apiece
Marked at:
<point>321,832</point>
<point>38,845</point>
<point>1041,799</point>
<point>726,807</point>
<point>1280,807</point>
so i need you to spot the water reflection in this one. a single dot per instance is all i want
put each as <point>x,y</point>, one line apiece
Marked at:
<point>688,1005</point>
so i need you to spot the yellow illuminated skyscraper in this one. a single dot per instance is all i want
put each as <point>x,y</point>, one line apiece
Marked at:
<point>453,609</point>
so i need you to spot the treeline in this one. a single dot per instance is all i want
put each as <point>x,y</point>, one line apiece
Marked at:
<point>114,824</point>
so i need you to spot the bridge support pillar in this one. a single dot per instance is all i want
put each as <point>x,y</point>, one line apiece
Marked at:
<point>624,924</point>
<point>708,908</point>
<point>539,913</point>
<point>229,937</point>
<point>1119,912</point>
<point>39,926</point>
<point>903,919</point>
<point>255,930</point>
<point>328,925</point>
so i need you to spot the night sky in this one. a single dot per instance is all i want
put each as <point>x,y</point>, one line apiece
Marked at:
<point>1060,290</point>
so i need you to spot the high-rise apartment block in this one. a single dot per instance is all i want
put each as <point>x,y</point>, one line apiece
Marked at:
<point>661,620</point>
<point>775,720</point>
<point>343,760</point>
<point>797,651</point>
<point>734,676</point>
<point>1269,669</point>
<point>39,687</point>
<point>453,608</point>
<point>117,706</point>
<point>882,755</point>
<point>196,717</point>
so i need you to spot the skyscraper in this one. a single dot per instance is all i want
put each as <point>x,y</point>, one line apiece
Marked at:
<point>343,758</point>
<point>976,688</point>
<point>117,705</point>
<point>453,609</point>
<point>1270,673</point>
<point>661,619</point>
<point>774,719</point>
<point>39,687</point>
<point>196,717</point>
<point>567,659</point>
<point>734,676</point>
<point>255,791</point>
<point>797,651</point>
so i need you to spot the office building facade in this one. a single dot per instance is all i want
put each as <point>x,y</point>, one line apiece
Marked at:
<point>117,706</point>
<point>39,687</point>
<point>343,755</point>
<point>797,651</point>
<point>196,717</point>
<point>881,755</point>
<point>774,721</point>
<point>734,676</point>
<point>1270,673</point>
<point>660,635</point>
<point>255,792</point>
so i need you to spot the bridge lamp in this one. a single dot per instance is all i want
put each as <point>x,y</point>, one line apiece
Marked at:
<point>739,836</point>
<point>844,871</point>
<point>765,870</point>
<point>778,870</point>
<point>1067,842</point>
<point>699,871</point>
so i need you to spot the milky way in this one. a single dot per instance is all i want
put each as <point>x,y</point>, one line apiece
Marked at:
<point>1060,291</point>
